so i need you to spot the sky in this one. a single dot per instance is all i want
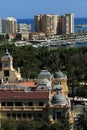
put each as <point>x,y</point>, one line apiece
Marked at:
<point>30,8</point>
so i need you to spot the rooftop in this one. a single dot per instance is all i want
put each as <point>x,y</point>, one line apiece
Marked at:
<point>23,95</point>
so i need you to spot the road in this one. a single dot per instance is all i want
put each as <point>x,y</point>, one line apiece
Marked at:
<point>79,108</point>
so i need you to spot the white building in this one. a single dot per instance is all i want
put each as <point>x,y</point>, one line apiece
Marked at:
<point>23,27</point>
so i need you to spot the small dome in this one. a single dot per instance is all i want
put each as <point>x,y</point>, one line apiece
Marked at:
<point>7,54</point>
<point>59,99</point>
<point>57,87</point>
<point>44,74</point>
<point>59,74</point>
<point>49,104</point>
<point>44,83</point>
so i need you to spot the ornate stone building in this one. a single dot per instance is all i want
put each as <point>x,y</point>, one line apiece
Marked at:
<point>48,100</point>
<point>8,73</point>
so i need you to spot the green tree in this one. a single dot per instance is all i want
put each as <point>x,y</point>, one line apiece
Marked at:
<point>9,125</point>
<point>82,120</point>
<point>7,37</point>
<point>1,38</point>
<point>23,125</point>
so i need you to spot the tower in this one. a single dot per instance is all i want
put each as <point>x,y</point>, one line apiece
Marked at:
<point>46,23</point>
<point>66,24</point>
<point>10,25</point>
<point>8,73</point>
<point>7,61</point>
<point>0,25</point>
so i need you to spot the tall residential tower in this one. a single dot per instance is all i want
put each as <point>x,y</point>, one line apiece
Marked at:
<point>10,25</point>
<point>0,25</point>
<point>46,23</point>
<point>54,24</point>
<point>66,24</point>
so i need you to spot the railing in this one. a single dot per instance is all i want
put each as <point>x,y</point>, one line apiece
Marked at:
<point>21,107</point>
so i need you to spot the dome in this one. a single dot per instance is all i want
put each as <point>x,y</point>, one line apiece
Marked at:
<point>59,99</point>
<point>44,74</point>
<point>59,74</point>
<point>44,83</point>
<point>7,55</point>
<point>57,87</point>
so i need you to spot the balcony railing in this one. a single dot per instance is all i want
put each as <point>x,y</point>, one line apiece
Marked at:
<point>2,108</point>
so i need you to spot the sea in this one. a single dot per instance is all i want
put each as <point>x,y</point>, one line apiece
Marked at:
<point>80,21</point>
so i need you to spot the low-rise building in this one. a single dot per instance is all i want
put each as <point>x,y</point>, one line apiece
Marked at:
<point>24,28</point>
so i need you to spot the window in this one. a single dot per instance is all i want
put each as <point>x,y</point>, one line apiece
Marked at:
<point>25,104</point>
<point>6,79</point>
<point>41,103</point>
<point>34,115</point>
<point>6,73</point>
<point>29,115</point>
<point>19,115</point>
<point>24,115</point>
<point>18,104</point>
<point>14,115</point>
<point>3,104</point>
<point>9,103</point>
<point>30,104</point>
<point>58,115</point>
<point>8,115</point>
<point>40,115</point>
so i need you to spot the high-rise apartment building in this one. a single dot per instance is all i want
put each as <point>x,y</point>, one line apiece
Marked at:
<point>54,24</point>
<point>10,25</point>
<point>66,24</point>
<point>0,25</point>
<point>46,23</point>
<point>38,23</point>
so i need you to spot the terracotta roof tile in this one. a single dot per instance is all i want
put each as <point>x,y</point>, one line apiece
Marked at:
<point>30,84</point>
<point>27,84</point>
<point>23,95</point>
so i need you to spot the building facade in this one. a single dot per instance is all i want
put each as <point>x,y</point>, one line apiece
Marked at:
<point>10,25</point>
<point>46,23</point>
<point>43,103</point>
<point>8,73</point>
<point>54,24</point>
<point>0,25</point>
<point>46,100</point>
<point>24,28</point>
<point>38,23</point>
<point>66,24</point>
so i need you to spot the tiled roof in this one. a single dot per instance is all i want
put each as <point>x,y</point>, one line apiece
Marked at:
<point>27,84</point>
<point>23,95</point>
<point>30,84</point>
